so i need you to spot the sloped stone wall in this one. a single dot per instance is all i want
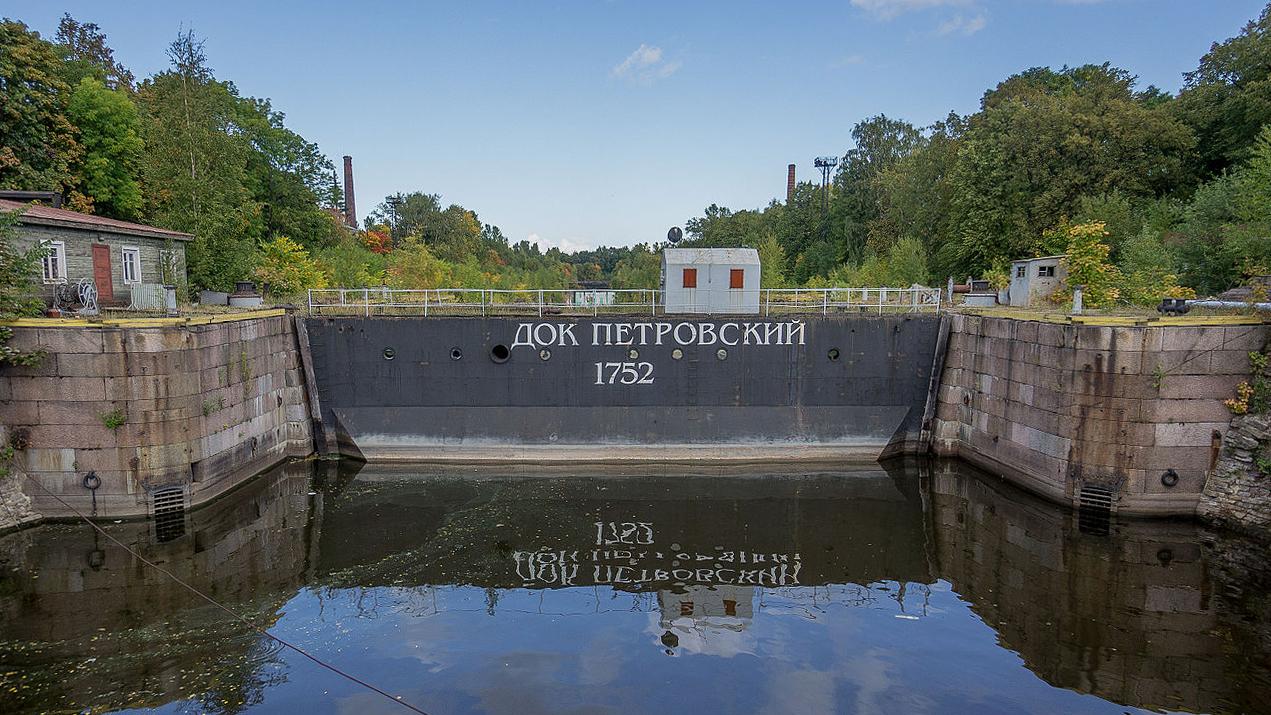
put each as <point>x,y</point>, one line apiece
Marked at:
<point>197,404</point>
<point>1238,493</point>
<point>1055,406</point>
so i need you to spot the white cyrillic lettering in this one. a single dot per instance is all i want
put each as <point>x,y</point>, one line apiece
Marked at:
<point>773,329</point>
<point>752,329</point>
<point>528,340</point>
<point>551,334</point>
<point>567,331</point>
<point>725,327</point>
<point>795,327</point>
<point>702,330</point>
<point>644,333</point>
<point>692,333</point>
<point>664,329</point>
<point>595,333</point>
<point>622,333</point>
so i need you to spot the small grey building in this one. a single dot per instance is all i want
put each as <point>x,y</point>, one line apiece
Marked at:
<point>114,255</point>
<point>1033,280</point>
<point>710,281</point>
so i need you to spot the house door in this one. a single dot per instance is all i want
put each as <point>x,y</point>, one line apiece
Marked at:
<point>101,274</point>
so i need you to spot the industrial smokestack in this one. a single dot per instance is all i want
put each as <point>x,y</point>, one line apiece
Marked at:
<point>790,183</point>
<point>350,210</point>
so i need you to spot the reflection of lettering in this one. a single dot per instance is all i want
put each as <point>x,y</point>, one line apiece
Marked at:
<point>633,567</point>
<point>542,335</point>
<point>609,533</point>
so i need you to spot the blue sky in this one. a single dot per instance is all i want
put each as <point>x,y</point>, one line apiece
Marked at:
<point>578,124</point>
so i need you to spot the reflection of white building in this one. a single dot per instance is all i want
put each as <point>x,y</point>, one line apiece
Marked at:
<point>706,620</point>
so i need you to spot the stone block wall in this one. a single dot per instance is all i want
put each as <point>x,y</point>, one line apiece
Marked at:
<point>1058,406</point>
<point>201,404</point>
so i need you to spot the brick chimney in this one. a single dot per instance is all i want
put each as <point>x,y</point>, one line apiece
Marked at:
<point>790,183</point>
<point>350,211</point>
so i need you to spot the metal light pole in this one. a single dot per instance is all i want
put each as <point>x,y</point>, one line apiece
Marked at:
<point>826,164</point>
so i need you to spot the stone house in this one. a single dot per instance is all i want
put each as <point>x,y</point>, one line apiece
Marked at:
<point>114,255</point>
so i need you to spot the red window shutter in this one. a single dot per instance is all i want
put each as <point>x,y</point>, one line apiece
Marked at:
<point>737,278</point>
<point>690,277</point>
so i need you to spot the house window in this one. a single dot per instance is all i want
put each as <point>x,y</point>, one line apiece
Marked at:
<point>1021,272</point>
<point>131,264</point>
<point>737,278</point>
<point>54,262</point>
<point>690,277</point>
<point>1045,271</point>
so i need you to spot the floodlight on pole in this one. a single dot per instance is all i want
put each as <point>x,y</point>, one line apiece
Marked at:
<point>826,164</point>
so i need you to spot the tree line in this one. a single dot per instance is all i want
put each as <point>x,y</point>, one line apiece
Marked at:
<point>1160,193</point>
<point>1177,187</point>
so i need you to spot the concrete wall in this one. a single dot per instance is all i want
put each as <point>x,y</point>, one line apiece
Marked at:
<point>205,403</point>
<point>79,259</point>
<point>1057,406</point>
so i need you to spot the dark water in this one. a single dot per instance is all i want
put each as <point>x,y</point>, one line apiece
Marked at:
<point>905,589</point>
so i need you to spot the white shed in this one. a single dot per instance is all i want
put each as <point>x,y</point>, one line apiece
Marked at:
<point>711,280</point>
<point>1033,280</point>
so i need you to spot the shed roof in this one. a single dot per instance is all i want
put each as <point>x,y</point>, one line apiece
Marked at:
<point>734,256</point>
<point>1041,258</point>
<point>39,215</point>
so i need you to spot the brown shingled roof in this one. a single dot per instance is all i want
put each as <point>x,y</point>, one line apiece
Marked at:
<point>49,216</point>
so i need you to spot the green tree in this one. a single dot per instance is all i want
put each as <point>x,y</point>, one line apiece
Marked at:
<point>109,129</point>
<point>879,143</point>
<point>18,297</point>
<point>85,54</point>
<point>642,268</point>
<point>286,267</point>
<point>38,148</point>
<point>1227,98</point>
<point>196,166</point>
<point>286,175</point>
<point>1044,139</point>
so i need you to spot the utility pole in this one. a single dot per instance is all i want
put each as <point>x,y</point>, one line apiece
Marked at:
<point>826,164</point>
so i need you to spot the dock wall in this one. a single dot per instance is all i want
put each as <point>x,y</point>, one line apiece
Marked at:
<point>1058,407</point>
<point>199,404</point>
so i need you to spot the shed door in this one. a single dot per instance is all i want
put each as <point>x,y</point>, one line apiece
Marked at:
<point>101,274</point>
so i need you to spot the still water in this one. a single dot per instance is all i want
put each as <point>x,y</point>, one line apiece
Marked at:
<point>907,588</point>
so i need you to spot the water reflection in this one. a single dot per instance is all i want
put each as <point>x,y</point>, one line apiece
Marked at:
<point>910,587</point>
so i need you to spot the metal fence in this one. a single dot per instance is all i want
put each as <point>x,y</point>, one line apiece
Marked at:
<point>587,302</point>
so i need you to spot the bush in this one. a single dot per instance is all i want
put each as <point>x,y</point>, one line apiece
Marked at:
<point>287,268</point>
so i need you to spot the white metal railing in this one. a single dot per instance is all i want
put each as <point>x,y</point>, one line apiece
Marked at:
<point>479,301</point>
<point>825,301</point>
<point>583,302</point>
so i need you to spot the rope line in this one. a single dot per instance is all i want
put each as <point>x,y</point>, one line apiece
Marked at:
<point>395,698</point>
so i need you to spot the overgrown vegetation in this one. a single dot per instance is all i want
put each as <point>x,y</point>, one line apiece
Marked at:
<point>114,419</point>
<point>1254,395</point>
<point>18,270</point>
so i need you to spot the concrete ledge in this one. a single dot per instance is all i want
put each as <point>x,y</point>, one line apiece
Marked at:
<point>641,454</point>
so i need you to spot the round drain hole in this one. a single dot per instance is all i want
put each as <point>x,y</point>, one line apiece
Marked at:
<point>722,354</point>
<point>544,354</point>
<point>677,353</point>
<point>833,355</point>
<point>389,353</point>
<point>633,354</point>
<point>500,353</point>
<point>456,354</point>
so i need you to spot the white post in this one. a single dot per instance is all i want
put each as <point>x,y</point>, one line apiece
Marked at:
<point>1077,300</point>
<point>825,301</point>
<point>882,294</point>
<point>366,300</point>
<point>540,302</point>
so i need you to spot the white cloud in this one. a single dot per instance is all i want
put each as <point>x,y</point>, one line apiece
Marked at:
<point>645,66</point>
<point>962,25</point>
<point>847,61</point>
<point>567,245</point>
<point>887,9</point>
